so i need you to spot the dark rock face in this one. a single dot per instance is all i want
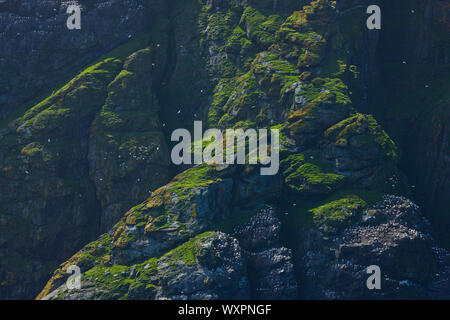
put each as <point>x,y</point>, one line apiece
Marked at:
<point>66,165</point>
<point>219,274</point>
<point>271,270</point>
<point>261,233</point>
<point>210,266</point>
<point>41,154</point>
<point>127,145</point>
<point>391,235</point>
<point>414,57</point>
<point>38,51</point>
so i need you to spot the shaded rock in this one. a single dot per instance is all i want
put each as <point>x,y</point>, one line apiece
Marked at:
<point>38,51</point>
<point>271,274</point>
<point>209,266</point>
<point>46,196</point>
<point>395,237</point>
<point>270,266</point>
<point>219,273</point>
<point>172,215</point>
<point>127,146</point>
<point>261,232</point>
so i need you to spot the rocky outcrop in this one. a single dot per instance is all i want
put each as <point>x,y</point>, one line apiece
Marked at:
<point>57,161</point>
<point>270,266</point>
<point>391,235</point>
<point>46,194</point>
<point>38,51</point>
<point>209,266</point>
<point>195,201</point>
<point>219,273</point>
<point>127,146</point>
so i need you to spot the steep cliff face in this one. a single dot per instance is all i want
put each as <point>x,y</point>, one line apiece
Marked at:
<point>47,197</point>
<point>270,67</point>
<point>38,52</point>
<point>73,163</point>
<point>414,54</point>
<point>99,146</point>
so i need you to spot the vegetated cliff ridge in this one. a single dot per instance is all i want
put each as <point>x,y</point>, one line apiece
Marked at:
<point>73,165</point>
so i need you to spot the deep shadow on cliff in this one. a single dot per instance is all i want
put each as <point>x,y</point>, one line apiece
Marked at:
<point>413,56</point>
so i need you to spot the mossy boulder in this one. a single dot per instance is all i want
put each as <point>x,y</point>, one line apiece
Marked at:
<point>172,214</point>
<point>350,235</point>
<point>323,103</point>
<point>361,150</point>
<point>208,266</point>
<point>337,214</point>
<point>305,175</point>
